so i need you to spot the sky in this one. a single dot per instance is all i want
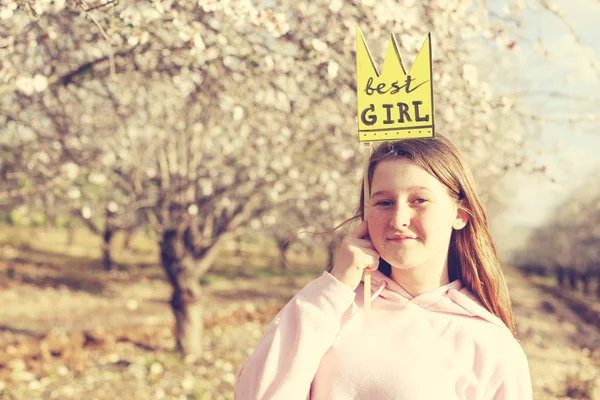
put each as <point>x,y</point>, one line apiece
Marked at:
<point>562,81</point>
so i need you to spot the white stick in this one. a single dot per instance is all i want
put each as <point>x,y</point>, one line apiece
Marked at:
<point>367,273</point>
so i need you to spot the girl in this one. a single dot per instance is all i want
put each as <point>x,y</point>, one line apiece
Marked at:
<point>441,325</point>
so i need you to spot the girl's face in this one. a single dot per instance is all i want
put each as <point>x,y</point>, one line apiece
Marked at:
<point>411,215</point>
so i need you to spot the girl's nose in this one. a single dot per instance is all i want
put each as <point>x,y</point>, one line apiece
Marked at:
<point>400,216</point>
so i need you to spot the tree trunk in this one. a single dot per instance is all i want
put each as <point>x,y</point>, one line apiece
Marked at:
<point>70,234</point>
<point>50,223</point>
<point>585,280</point>
<point>310,251</point>
<point>598,283</point>
<point>181,268</point>
<point>127,239</point>
<point>238,247</point>
<point>106,238</point>
<point>189,324</point>
<point>573,278</point>
<point>560,275</point>
<point>283,247</point>
<point>331,247</point>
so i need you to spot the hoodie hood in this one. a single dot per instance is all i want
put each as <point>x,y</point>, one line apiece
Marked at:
<point>452,298</point>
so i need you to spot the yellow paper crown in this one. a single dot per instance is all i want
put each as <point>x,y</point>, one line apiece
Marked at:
<point>394,105</point>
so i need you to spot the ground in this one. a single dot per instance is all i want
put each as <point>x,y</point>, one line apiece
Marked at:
<point>69,330</point>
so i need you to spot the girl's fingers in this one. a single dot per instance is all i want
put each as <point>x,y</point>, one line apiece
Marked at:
<point>373,263</point>
<point>361,230</point>
<point>364,243</point>
<point>373,267</point>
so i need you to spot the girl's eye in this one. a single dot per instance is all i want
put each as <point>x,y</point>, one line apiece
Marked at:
<point>420,200</point>
<point>384,203</point>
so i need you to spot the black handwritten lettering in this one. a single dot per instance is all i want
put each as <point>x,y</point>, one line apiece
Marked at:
<point>388,108</point>
<point>368,119</point>
<point>407,85</point>
<point>403,109</point>
<point>408,82</point>
<point>369,90</point>
<point>394,87</point>
<point>419,118</point>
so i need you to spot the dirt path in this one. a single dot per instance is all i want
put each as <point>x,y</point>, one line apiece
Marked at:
<point>563,351</point>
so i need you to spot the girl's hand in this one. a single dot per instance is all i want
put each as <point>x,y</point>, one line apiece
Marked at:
<point>355,254</point>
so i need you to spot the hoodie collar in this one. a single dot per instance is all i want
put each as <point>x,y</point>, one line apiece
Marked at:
<point>457,299</point>
<point>396,292</point>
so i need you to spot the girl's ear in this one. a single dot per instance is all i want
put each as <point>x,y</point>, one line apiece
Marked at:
<point>462,218</point>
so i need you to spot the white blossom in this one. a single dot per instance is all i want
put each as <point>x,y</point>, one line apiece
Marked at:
<point>193,209</point>
<point>6,12</point>
<point>109,159</point>
<point>86,212</point>
<point>74,193</point>
<point>206,187</point>
<point>212,5</point>
<point>238,113</point>
<point>97,178</point>
<point>319,45</point>
<point>332,69</point>
<point>113,207</point>
<point>336,5</point>
<point>71,170</point>
<point>39,83</point>
<point>255,224</point>
<point>25,85</point>
<point>294,173</point>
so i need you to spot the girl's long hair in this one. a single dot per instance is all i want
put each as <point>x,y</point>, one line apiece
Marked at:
<point>472,256</point>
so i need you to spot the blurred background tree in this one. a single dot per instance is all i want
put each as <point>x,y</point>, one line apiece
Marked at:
<point>568,244</point>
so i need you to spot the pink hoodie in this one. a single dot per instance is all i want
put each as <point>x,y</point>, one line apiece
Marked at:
<point>440,345</point>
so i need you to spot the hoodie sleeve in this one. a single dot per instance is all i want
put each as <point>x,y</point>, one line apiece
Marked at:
<point>287,357</point>
<point>514,381</point>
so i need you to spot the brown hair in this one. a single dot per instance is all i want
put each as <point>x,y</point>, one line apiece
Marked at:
<point>472,256</point>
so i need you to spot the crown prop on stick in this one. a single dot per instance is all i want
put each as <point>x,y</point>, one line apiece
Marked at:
<point>394,104</point>
<point>391,105</point>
